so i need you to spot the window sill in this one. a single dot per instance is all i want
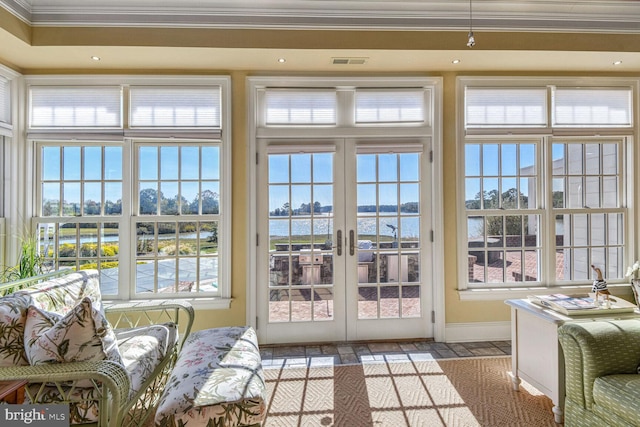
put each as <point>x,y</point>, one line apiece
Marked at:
<point>501,294</point>
<point>202,303</point>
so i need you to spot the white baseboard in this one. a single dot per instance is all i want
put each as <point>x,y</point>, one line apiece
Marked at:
<point>478,331</point>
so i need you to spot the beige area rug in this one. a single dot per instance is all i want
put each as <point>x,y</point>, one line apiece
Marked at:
<point>430,393</point>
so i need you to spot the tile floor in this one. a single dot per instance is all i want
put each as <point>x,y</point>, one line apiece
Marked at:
<point>356,352</point>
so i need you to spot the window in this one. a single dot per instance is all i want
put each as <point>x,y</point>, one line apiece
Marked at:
<point>540,210</point>
<point>300,107</point>
<point>7,136</point>
<point>75,107</point>
<point>505,107</point>
<point>80,209</point>
<point>178,181</point>
<point>151,213</point>
<point>5,110</point>
<point>602,107</point>
<point>588,194</point>
<point>390,106</point>
<point>503,217</point>
<point>175,107</point>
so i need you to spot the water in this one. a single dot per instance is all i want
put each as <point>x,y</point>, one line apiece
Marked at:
<point>116,237</point>
<point>410,227</point>
<point>475,227</point>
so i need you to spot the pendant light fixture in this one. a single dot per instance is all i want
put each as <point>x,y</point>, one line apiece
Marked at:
<point>471,42</point>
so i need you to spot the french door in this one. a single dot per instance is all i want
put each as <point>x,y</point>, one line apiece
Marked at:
<point>342,253</point>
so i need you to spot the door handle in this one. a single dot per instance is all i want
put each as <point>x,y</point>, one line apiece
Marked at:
<point>339,246</point>
<point>352,246</point>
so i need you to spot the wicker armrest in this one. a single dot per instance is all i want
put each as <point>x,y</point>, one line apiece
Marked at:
<point>140,313</point>
<point>108,373</point>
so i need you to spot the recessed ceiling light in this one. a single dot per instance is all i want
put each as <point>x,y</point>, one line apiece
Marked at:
<point>282,60</point>
<point>455,61</point>
<point>95,58</point>
<point>617,62</point>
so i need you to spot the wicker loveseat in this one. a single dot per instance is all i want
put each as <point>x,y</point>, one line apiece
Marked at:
<point>601,362</point>
<point>55,334</point>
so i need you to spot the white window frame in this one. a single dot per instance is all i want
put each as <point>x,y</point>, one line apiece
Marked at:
<point>126,137</point>
<point>159,217</point>
<point>10,204</point>
<point>501,211</point>
<point>547,282</point>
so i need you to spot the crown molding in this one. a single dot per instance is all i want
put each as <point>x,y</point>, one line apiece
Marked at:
<point>606,16</point>
<point>18,8</point>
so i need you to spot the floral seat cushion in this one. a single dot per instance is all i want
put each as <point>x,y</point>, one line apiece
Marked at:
<point>217,380</point>
<point>141,349</point>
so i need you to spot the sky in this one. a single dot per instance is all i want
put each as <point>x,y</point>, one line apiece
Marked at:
<point>305,171</point>
<point>175,163</point>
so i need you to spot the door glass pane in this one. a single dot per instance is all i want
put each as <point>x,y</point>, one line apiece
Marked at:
<point>388,224</point>
<point>300,194</point>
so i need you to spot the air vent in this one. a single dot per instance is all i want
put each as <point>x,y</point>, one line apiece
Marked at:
<point>349,61</point>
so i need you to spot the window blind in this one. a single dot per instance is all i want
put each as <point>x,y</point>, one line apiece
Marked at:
<point>609,107</point>
<point>389,106</point>
<point>75,107</point>
<point>505,107</point>
<point>300,107</point>
<point>175,107</point>
<point>5,107</point>
<point>385,147</point>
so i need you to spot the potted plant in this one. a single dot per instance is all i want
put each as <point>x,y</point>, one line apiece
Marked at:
<point>30,263</point>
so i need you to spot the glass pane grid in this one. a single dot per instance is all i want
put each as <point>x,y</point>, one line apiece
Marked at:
<point>79,246</point>
<point>504,249</point>
<point>179,179</point>
<point>590,239</point>
<point>586,175</point>
<point>177,256</point>
<point>81,181</point>
<point>300,237</point>
<point>500,176</point>
<point>388,240</point>
<point>588,210</point>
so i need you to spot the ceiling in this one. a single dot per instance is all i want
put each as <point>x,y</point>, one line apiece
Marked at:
<point>38,36</point>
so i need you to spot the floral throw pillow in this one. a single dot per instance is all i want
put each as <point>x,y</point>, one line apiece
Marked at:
<point>82,334</point>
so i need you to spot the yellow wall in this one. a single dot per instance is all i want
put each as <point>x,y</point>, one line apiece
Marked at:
<point>236,315</point>
<point>456,311</point>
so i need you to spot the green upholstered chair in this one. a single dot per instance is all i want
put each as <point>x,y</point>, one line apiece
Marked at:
<point>601,365</point>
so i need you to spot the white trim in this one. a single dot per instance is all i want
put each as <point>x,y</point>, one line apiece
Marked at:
<point>591,16</point>
<point>6,129</point>
<point>433,85</point>
<point>437,211</point>
<point>501,294</point>
<point>226,195</point>
<point>251,201</point>
<point>197,303</point>
<point>478,331</point>
<point>10,76</point>
<point>9,73</point>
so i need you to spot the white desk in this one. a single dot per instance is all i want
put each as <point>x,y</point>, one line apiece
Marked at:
<point>536,355</point>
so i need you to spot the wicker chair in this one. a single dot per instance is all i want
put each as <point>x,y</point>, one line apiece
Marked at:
<point>99,392</point>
